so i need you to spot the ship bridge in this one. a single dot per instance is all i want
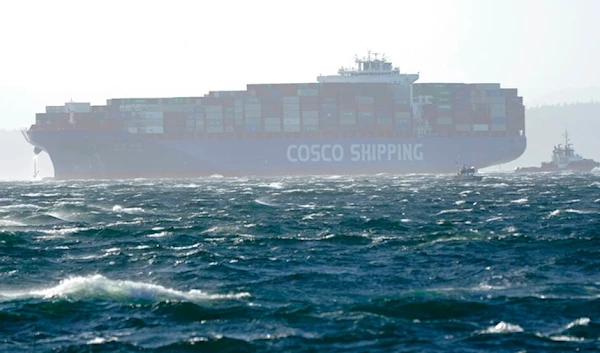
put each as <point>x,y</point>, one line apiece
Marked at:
<point>371,69</point>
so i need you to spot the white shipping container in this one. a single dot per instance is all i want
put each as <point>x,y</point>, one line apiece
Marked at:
<point>347,113</point>
<point>462,127</point>
<point>291,114</point>
<point>480,127</point>
<point>272,121</point>
<point>291,121</point>
<point>132,129</point>
<point>238,103</point>
<point>291,128</point>
<point>498,127</point>
<point>303,92</point>
<point>444,120</point>
<point>252,107</point>
<point>239,115</point>
<point>291,100</point>
<point>310,113</point>
<point>199,122</point>
<point>365,114</point>
<point>310,121</point>
<point>291,106</point>
<point>199,128</point>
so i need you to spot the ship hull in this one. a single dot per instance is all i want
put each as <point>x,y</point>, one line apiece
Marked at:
<point>80,154</point>
<point>580,167</point>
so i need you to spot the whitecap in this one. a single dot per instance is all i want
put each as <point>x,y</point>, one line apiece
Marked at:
<point>100,287</point>
<point>502,327</point>
<point>582,321</point>
<point>520,201</point>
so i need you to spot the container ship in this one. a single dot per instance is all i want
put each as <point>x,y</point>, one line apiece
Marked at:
<point>368,119</point>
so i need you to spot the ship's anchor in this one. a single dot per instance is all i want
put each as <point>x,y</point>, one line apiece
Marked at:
<point>36,152</point>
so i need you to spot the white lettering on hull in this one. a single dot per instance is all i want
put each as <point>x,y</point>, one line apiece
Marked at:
<point>329,153</point>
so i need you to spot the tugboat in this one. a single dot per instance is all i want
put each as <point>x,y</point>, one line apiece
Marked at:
<point>467,174</point>
<point>564,158</point>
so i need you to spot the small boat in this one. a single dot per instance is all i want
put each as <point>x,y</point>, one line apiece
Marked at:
<point>467,174</point>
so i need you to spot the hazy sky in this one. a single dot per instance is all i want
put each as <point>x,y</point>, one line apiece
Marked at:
<point>53,51</point>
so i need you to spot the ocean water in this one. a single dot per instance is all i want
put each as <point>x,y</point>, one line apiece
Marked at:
<point>326,264</point>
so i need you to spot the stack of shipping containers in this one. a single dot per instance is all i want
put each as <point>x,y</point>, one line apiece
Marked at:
<point>470,109</point>
<point>292,109</point>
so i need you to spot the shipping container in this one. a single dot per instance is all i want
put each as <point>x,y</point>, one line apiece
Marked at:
<point>273,128</point>
<point>348,120</point>
<point>310,120</point>
<point>118,115</point>
<point>253,114</point>
<point>309,106</point>
<point>272,121</point>
<point>291,114</point>
<point>291,106</point>
<point>253,121</point>
<point>447,120</point>
<point>498,127</point>
<point>310,128</point>
<point>385,120</point>
<point>252,107</point>
<point>213,109</point>
<point>291,100</point>
<point>402,115</point>
<point>364,100</point>
<point>310,113</point>
<point>309,100</point>
<point>366,120</point>
<point>254,128</point>
<point>78,107</point>
<point>214,129</point>
<point>463,127</point>
<point>307,92</point>
<point>480,127</point>
<point>291,128</point>
<point>291,121</point>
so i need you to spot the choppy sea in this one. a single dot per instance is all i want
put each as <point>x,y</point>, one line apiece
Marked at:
<point>384,263</point>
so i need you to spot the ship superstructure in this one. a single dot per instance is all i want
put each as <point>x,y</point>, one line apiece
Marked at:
<point>367,119</point>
